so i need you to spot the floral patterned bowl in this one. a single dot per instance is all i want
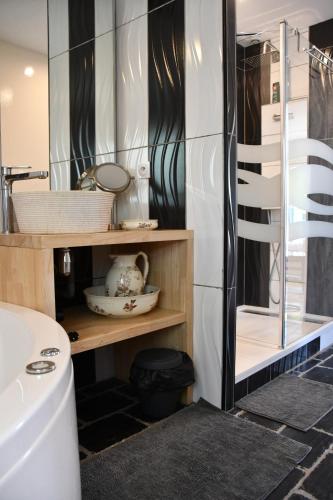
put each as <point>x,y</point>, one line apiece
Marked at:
<point>121,307</point>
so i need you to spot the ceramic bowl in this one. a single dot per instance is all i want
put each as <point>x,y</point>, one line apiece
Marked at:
<point>121,307</point>
<point>131,224</point>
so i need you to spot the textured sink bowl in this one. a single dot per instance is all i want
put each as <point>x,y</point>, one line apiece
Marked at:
<point>54,212</point>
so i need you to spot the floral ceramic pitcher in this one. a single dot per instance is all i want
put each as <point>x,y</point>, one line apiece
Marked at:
<point>125,279</point>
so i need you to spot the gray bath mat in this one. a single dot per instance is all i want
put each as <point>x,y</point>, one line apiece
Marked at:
<point>200,453</point>
<point>292,400</point>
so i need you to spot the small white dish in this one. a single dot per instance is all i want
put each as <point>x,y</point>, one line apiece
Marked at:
<point>147,224</point>
<point>121,307</point>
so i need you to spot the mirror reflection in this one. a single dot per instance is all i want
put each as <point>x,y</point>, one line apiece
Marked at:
<point>24,119</point>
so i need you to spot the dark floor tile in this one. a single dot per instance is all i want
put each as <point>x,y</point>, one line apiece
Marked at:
<point>96,407</point>
<point>305,366</point>
<point>128,390</point>
<point>80,395</point>
<point>104,385</point>
<point>296,496</point>
<point>264,422</point>
<point>328,363</point>
<point>320,482</point>
<point>320,375</point>
<point>324,354</point>
<point>287,485</point>
<point>82,455</point>
<point>111,430</point>
<point>318,441</point>
<point>326,423</point>
<point>136,412</point>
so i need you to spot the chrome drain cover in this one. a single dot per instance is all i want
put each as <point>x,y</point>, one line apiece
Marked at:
<point>50,351</point>
<point>40,367</point>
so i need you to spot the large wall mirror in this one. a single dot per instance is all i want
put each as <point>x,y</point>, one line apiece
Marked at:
<point>24,117</point>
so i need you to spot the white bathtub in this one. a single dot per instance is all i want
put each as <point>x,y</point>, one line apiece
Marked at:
<point>38,432</point>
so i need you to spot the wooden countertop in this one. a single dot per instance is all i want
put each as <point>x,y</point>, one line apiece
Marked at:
<point>115,237</point>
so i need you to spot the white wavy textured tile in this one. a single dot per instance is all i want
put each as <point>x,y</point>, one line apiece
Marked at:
<point>127,10</point>
<point>134,203</point>
<point>132,85</point>
<point>58,26</point>
<point>203,66</point>
<point>60,176</point>
<point>105,104</point>
<point>204,207</point>
<point>105,158</point>
<point>59,108</point>
<point>207,344</point>
<point>104,16</point>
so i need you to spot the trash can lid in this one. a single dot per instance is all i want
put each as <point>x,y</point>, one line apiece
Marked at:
<point>158,359</point>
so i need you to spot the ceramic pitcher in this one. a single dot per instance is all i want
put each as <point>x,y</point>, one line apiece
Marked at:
<point>124,278</point>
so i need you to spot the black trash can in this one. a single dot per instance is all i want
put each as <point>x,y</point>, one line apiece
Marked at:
<point>159,376</point>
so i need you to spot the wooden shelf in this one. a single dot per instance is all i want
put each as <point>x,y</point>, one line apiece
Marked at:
<point>98,331</point>
<point>44,241</point>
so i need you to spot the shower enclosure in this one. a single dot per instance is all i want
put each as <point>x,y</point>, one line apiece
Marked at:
<point>285,185</point>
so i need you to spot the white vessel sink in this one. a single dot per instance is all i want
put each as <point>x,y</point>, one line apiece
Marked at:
<point>54,212</point>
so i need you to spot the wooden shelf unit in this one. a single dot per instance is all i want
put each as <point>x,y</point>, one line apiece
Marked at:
<point>98,331</point>
<point>27,279</point>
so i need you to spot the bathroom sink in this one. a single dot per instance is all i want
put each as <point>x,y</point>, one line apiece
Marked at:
<point>54,212</point>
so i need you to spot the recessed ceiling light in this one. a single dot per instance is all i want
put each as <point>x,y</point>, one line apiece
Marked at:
<point>29,71</point>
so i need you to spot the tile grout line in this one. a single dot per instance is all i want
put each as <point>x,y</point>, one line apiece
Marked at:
<point>85,450</point>
<point>136,148</point>
<point>307,495</point>
<point>309,471</point>
<point>280,429</point>
<point>107,415</point>
<point>322,431</point>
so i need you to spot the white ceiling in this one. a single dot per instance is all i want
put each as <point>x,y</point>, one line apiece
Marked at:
<point>263,15</point>
<point>24,23</point>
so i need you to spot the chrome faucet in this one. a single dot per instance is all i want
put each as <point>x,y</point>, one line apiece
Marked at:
<point>6,182</point>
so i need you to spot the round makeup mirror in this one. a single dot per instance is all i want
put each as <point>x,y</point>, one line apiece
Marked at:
<point>109,177</point>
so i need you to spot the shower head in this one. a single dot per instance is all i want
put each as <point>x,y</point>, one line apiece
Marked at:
<point>268,54</point>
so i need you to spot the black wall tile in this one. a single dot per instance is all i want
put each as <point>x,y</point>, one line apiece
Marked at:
<point>82,107</point>
<point>260,378</point>
<point>241,389</point>
<point>313,347</point>
<point>167,185</point>
<point>275,369</point>
<point>166,54</point>
<point>81,14</point>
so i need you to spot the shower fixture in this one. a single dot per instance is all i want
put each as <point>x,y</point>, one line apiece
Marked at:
<point>320,56</point>
<point>268,54</point>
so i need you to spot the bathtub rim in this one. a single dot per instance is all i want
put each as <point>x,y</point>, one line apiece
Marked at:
<point>31,400</point>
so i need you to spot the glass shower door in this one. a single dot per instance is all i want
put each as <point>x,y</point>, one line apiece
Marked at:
<point>259,189</point>
<point>308,298</point>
